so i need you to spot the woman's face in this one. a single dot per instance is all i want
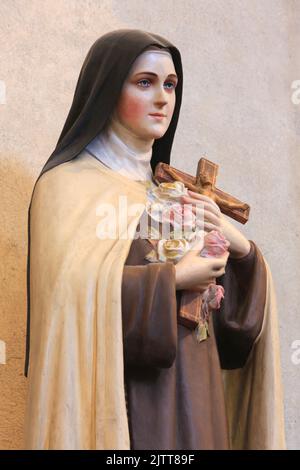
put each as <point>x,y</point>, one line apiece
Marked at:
<point>149,88</point>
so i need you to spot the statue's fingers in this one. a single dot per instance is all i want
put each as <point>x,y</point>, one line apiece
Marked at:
<point>208,203</point>
<point>209,227</point>
<point>212,218</point>
<point>203,197</point>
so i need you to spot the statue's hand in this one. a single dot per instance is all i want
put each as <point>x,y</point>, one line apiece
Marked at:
<point>207,211</point>
<point>215,220</point>
<point>239,245</point>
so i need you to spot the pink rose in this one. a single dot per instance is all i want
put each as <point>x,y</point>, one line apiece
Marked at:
<point>211,299</point>
<point>179,216</point>
<point>215,245</point>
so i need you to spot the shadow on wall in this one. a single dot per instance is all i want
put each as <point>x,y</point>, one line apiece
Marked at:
<point>16,190</point>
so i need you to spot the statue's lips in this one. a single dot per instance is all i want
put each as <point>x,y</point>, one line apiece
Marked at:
<point>157,116</point>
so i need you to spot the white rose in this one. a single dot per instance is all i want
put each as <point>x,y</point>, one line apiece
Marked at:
<point>170,190</point>
<point>172,250</point>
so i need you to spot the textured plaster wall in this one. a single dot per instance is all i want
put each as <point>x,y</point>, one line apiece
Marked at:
<point>240,109</point>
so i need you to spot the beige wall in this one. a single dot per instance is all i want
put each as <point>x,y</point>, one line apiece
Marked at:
<point>240,59</point>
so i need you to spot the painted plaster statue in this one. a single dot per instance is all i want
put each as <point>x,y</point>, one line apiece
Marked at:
<point>108,364</point>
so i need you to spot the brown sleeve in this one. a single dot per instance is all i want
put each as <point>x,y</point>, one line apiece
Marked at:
<point>239,320</point>
<point>149,315</point>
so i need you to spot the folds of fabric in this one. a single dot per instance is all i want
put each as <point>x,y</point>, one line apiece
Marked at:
<point>76,396</point>
<point>177,401</point>
<point>239,320</point>
<point>149,315</point>
<point>253,392</point>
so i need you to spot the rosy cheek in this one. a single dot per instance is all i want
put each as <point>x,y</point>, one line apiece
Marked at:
<point>132,108</point>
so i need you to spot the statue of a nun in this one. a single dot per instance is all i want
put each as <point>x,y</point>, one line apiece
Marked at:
<point>108,364</point>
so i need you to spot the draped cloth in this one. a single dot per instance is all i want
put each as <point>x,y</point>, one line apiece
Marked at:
<point>76,396</point>
<point>254,392</point>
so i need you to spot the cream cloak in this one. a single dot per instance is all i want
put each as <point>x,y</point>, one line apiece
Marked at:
<point>76,394</point>
<point>76,397</point>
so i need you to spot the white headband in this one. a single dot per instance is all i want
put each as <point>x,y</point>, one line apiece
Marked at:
<point>159,52</point>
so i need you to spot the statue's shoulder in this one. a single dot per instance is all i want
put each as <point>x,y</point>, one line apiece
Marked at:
<point>76,166</point>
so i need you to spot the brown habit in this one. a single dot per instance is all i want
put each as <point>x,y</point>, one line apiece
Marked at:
<point>174,384</point>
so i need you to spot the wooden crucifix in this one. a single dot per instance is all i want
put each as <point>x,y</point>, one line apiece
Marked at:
<point>205,183</point>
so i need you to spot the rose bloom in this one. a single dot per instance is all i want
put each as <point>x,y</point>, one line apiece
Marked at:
<point>215,244</point>
<point>179,216</point>
<point>211,298</point>
<point>169,190</point>
<point>172,250</point>
<point>173,216</point>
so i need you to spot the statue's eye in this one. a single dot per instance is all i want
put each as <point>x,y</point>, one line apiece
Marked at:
<point>171,83</point>
<point>143,81</point>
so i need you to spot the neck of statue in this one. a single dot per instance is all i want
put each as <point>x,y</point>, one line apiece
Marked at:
<point>113,152</point>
